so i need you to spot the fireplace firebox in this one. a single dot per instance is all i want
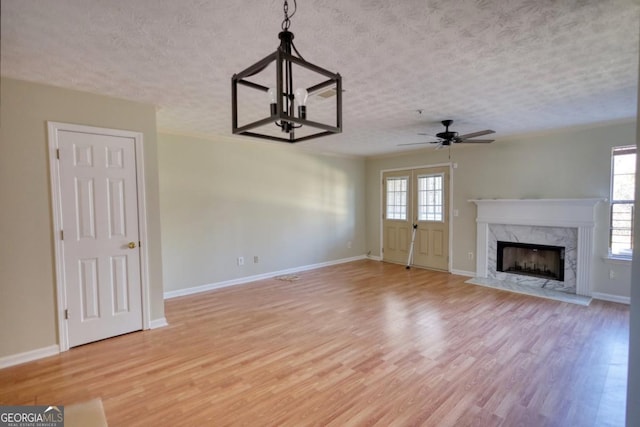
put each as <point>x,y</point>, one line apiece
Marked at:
<point>531,260</point>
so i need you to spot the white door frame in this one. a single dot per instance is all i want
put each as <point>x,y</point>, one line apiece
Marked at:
<point>56,205</point>
<point>408,168</point>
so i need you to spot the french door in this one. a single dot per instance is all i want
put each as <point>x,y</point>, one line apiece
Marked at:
<point>416,199</point>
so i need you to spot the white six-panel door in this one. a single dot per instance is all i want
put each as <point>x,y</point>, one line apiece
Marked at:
<point>100,239</point>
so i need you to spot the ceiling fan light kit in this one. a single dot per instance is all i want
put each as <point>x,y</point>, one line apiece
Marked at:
<point>285,93</point>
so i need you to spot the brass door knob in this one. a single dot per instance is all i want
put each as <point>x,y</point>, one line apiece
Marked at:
<point>132,245</point>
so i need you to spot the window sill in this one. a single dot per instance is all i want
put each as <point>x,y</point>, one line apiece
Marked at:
<point>612,259</point>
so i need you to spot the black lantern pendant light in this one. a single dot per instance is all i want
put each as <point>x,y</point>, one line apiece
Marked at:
<point>285,96</point>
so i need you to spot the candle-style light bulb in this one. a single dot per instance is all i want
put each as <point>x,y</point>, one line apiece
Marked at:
<point>301,95</point>
<point>273,100</point>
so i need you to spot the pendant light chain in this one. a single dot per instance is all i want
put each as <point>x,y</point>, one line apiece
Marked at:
<point>286,23</point>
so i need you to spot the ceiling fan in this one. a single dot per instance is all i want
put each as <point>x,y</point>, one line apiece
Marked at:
<point>446,138</point>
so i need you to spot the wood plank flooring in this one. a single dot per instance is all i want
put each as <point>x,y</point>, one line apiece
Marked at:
<point>364,343</point>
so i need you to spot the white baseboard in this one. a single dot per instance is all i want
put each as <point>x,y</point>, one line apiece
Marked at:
<point>374,257</point>
<point>158,323</point>
<point>611,298</point>
<point>463,273</point>
<point>248,279</point>
<point>28,356</point>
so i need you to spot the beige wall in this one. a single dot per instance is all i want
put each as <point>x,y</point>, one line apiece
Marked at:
<point>226,197</point>
<point>27,280</point>
<point>564,164</point>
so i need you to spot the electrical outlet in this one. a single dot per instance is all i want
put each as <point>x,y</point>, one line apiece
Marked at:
<point>470,255</point>
<point>256,259</point>
<point>612,274</point>
<point>240,261</point>
<point>456,212</point>
<point>349,244</point>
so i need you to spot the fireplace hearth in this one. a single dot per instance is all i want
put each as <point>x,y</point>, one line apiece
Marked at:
<point>528,259</point>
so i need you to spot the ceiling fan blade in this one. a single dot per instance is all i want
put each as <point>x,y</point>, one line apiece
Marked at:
<point>474,134</point>
<point>427,134</point>
<point>477,141</point>
<point>418,143</point>
<point>440,146</point>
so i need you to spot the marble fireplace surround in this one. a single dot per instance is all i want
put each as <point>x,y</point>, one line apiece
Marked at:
<point>566,237</point>
<point>558,222</point>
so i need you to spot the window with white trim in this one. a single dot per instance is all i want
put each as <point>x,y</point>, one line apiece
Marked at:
<point>397,198</point>
<point>430,197</point>
<point>623,179</point>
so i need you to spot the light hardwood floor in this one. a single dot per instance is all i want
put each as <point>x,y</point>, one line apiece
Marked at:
<point>364,343</point>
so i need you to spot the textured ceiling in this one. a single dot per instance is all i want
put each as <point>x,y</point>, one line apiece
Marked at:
<point>515,66</point>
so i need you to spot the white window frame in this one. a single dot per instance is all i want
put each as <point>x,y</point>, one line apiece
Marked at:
<point>628,149</point>
<point>407,208</point>
<point>442,205</point>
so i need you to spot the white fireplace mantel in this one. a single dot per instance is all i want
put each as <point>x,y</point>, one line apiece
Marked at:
<point>574,213</point>
<point>549,212</point>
